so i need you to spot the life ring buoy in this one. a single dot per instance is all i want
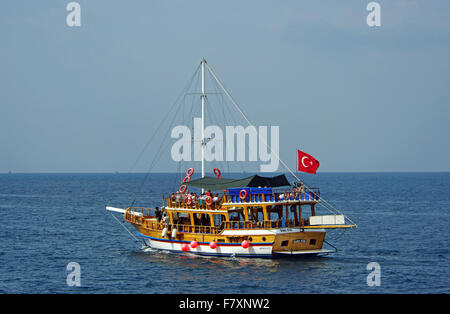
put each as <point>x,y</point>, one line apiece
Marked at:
<point>190,172</point>
<point>208,200</point>
<point>183,188</point>
<point>217,172</point>
<point>243,194</point>
<point>188,200</point>
<point>187,179</point>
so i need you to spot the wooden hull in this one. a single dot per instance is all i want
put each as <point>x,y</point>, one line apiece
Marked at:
<point>268,243</point>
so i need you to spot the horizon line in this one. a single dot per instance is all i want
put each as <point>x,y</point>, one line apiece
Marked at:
<point>237,172</point>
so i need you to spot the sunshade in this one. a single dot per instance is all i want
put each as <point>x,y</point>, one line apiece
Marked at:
<point>214,183</point>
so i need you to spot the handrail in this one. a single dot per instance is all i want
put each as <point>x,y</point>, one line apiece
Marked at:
<point>196,204</point>
<point>266,224</point>
<point>275,197</point>
<point>252,198</point>
<point>197,229</point>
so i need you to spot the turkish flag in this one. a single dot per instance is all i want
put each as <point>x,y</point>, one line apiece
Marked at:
<point>307,163</point>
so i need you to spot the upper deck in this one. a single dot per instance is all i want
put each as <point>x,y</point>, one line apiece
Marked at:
<point>237,208</point>
<point>243,196</point>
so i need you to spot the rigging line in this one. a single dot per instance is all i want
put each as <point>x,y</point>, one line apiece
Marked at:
<point>194,86</point>
<point>182,163</point>
<point>120,223</point>
<point>157,155</point>
<point>164,119</point>
<point>160,150</point>
<point>214,119</point>
<point>222,103</point>
<point>335,248</point>
<point>267,145</point>
<point>246,119</point>
<point>223,114</point>
<point>339,236</point>
<point>234,122</point>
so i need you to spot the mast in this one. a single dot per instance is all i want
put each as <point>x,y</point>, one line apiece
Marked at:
<point>203,96</point>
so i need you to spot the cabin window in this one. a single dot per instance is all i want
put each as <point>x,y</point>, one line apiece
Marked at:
<point>202,220</point>
<point>220,240</point>
<point>285,243</point>
<point>312,241</point>
<point>218,218</point>
<point>181,218</point>
<point>234,216</point>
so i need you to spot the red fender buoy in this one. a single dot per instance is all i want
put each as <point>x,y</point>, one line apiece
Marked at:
<point>245,244</point>
<point>213,244</point>
<point>185,247</point>
<point>194,244</point>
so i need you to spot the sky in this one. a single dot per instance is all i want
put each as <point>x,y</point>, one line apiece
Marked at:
<point>357,98</point>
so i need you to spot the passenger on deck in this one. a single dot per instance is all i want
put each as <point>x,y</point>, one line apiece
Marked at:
<point>302,187</point>
<point>165,220</point>
<point>157,214</point>
<point>216,199</point>
<point>194,199</point>
<point>177,198</point>
<point>202,199</point>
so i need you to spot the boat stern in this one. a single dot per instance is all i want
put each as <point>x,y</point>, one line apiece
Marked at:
<point>297,242</point>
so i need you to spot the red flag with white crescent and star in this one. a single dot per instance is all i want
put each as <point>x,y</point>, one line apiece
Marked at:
<point>306,163</point>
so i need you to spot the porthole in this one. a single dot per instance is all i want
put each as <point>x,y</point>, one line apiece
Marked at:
<point>312,241</point>
<point>250,239</point>
<point>264,239</point>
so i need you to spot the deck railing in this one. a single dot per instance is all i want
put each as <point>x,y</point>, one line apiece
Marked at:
<point>266,224</point>
<point>312,195</point>
<point>194,204</point>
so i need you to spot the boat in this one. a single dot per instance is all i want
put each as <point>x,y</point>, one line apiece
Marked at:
<point>254,216</point>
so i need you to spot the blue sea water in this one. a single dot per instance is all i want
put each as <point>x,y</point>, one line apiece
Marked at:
<point>50,220</point>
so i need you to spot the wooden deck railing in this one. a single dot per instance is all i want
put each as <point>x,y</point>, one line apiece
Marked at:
<point>267,224</point>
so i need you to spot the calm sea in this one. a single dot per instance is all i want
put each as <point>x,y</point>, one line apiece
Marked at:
<point>50,220</point>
